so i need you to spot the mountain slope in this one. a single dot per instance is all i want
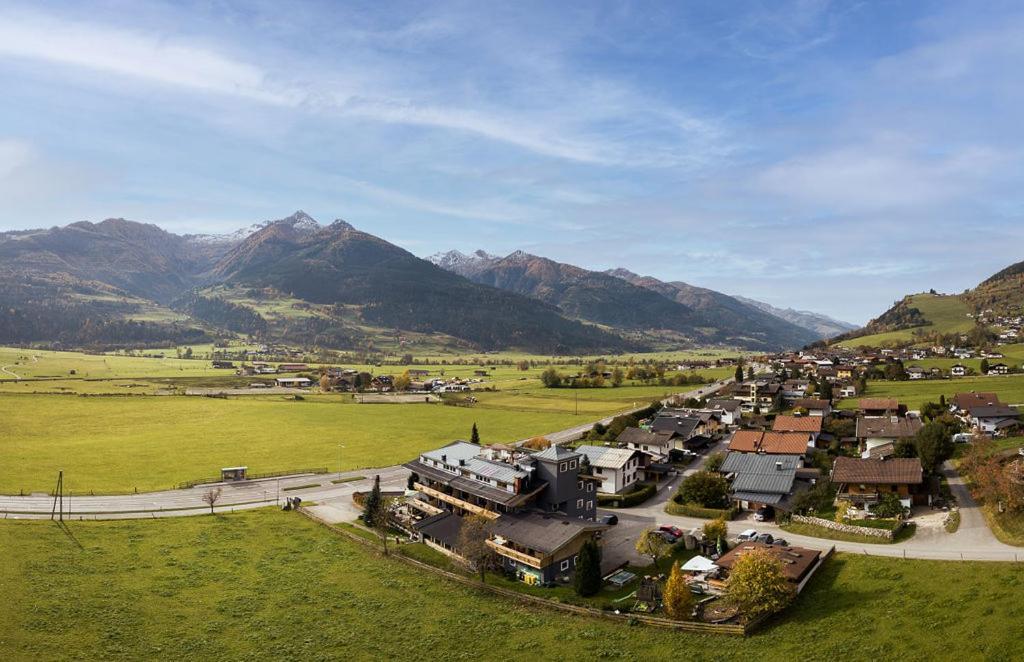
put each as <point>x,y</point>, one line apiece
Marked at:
<point>726,312</point>
<point>1003,292</point>
<point>823,325</point>
<point>393,288</point>
<point>614,299</point>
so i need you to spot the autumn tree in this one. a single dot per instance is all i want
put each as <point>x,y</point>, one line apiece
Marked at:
<point>587,580</point>
<point>652,543</point>
<point>211,497</point>
<point>403,381</point>
<point>537,444</point>
<point>325,383</point>
<point>758,585</point>
<point>705,488</point>
<point>551,378</point>
<point>474,533</point>
<point>617,377</point>
<point>677,598</point>
<point>716,530</point>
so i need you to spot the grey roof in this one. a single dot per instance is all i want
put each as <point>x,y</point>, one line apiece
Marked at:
<point>994,411</point>
<point>444,527</point>
<point>640,437</point>
<point>761,474</point>
<point>471,486</point>
<point>759,497</point>
<point>725,404</point>
<point>462,456</point>
<point>606,457</point>
<point>679,425</point>
<point>544,533</point>
<point>556,453</point>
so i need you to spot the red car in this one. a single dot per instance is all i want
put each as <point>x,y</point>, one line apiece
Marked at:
<point>674,530</point>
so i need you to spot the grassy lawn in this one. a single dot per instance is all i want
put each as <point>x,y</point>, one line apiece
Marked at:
<point>118,444</point>
<point>947,314</point>
<point>272,585</point>
<point>1009,388</point>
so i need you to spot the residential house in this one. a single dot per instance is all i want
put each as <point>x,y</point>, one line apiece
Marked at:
<point>963,402</point>
<point>618,468</point>
<point>877,435</point>
<point>729,409</point>
<point>995,420</point>
<point>293,382</point>
<point>770,443</point>
<point>543,504</point>
<point>848,391</point>
<point>880,407</point>
<point>757,479</point>
<point>999,369</point>
<point>810,425</point>
<point>958,370</point>
<point>864,481</point>
<point>797,562</point>
<point>915,373</point>
<point>814,406</point>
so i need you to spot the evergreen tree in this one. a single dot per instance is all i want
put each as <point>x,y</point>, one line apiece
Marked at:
<point>587,580</point>
<point>739,373</point>
<point>373,505</point>
<point>474,436</point>
<point>750,372</point>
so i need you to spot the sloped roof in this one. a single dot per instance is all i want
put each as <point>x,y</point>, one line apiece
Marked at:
<point>966,401</point>
<point>797,424</point>
<point>887,427</point>
<point>556,453</point>
<point>897,471</point>
<point>878,403</point>
<point>812,403</point>
<point>544,533</point>
<point>746,441</point>
<point>638,436</point>
<point>606,457</point>
<point>796,561</point>
<point>994,411</point>
<point>785,443</point>
<point>725,404</point>
<point>678,425</point>
<point>772,474</point>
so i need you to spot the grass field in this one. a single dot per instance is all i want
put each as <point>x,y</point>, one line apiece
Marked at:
<point>947,314</point>
<point>123,443</point>
<point>1009,388</point>
<point>272,585</point>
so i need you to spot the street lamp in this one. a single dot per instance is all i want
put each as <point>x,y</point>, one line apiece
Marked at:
<point>340,446</point>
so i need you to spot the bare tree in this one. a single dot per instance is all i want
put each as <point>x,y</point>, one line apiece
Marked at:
<point>211,497</point>
<point>472,546</point>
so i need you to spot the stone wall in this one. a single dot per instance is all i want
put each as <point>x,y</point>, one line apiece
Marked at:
<point>844,528</point>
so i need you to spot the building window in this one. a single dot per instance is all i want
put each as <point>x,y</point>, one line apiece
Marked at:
<point>575,560</point>
<point>590,487</point>
<point>579,485</point>
<point>562,467</point>
<point>579,503</point>
<point>565,564</point>
<point>590,504</point>
<point>572,464</point>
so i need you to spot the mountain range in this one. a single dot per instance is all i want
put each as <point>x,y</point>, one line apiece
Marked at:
<point>124,283</point>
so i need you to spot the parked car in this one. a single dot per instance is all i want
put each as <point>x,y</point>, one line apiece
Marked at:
<point>962,437</point>
<point>780,542</point>
<point>749,534</point>
<point>610,520</point>
<point>674,530</point>
<point>765,538</point>
<point>764,514</point>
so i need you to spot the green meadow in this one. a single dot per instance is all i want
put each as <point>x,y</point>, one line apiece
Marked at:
<point>1009,388</point>
<point>947,314</point>
<point>271,585</point>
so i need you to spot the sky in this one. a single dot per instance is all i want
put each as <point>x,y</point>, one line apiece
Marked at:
<point>810,154</point>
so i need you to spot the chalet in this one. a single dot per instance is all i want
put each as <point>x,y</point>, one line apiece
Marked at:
<point>880,407</point>
<point>814,406</point>
<point>958,370</point>
<point>770,443</point>
<point>915,372</point>
<point>846,372</point>
<point>291,367</point>
<point>729,409</point>
<point>863,481</point>
<point>809,425</point>
<point>757,480</point>
<point>848,391</point>
<point>223,364</point>
<point>617,468</point>
<point>542,504</point>
<point>677,426</point>
<point>999,369</point>
<point>964,402</point>
<point>996,419</point>
<point>659,447</point>
<point>877,435</point>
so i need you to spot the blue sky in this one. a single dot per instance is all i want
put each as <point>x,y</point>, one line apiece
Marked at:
<point>828,156</point>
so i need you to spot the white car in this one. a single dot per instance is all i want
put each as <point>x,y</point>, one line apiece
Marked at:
<point>749,534</point>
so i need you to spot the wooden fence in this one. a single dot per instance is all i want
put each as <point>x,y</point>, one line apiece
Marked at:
<point>687,626</point>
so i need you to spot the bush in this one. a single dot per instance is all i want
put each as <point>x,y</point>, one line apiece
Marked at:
<point>634,498</point>
<point>705,488</point>
<point>674,507</point>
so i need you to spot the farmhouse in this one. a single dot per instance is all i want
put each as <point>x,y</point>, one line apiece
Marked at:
<point>863,482</point>
<point>542,504</point>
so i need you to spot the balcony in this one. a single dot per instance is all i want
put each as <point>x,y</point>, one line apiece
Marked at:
<point>505,549</point>
<point>859,497</point>
<point>455,501</point>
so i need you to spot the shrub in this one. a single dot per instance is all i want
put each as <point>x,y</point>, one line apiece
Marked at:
<point>634,498</point>
<point>705,488</point>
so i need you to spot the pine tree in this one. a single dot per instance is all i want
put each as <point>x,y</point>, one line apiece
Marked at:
<point>474,436</point>
<point>587,580</point>
<point>677,598</point>
<point>739,373</point>
<point>373,504</point>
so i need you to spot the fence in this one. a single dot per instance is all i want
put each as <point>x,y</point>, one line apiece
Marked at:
<point>886,534</point>
<point>741,630</point>
<point>272,474</point>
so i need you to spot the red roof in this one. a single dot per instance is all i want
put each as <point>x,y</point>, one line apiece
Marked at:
<point>772,443</point>
<point>797,424</point>
<point>746,441</point>
<point>897,471</point>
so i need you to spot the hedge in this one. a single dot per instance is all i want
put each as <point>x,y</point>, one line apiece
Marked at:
<point>696,510</point>
<point>634,498</point>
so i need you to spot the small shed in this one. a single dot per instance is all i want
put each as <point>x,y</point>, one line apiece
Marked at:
<point>233,473</point>
<point>699,565</point>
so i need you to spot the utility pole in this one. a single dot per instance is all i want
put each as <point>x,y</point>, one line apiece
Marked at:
<point>58,497</point>
<point>577,404</point>
<point>340,446</point>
